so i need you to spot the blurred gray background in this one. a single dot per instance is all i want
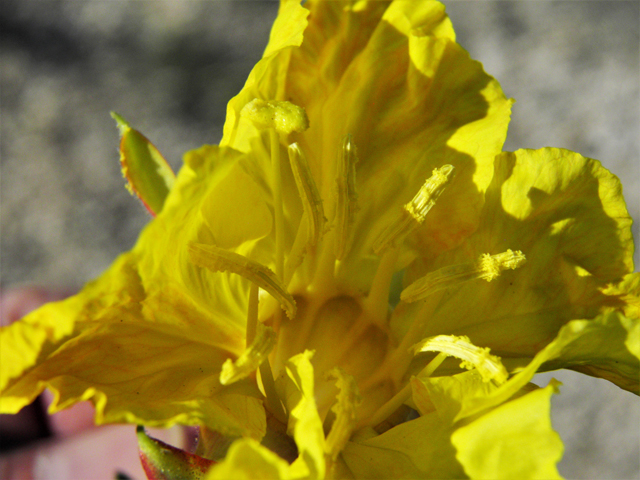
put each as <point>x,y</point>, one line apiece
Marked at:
<point>170,66</point>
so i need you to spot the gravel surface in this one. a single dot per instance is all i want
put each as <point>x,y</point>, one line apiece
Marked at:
<point>169,67</point>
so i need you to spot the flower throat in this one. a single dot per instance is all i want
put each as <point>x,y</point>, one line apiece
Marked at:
<point>359,366</point>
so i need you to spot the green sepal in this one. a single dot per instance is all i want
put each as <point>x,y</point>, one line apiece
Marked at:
<point>161,461</point>
<point>148,174</point>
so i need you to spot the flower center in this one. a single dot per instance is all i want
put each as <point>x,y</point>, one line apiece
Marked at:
<point>342,335</point>
<point>348,331</point>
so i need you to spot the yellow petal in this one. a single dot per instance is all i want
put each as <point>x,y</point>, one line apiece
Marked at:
<point>596,347</point>
<point>633,335</point>
<point>420,448</point>
<point>568,217</point>
<point>109,365</point>
<point>400,136</point>
<point>423,448</point>
<point>581,204</point>
<point>161,255</point>
<point>265,80</point>
<point>607,347</point>
<point>236,211</point>
<point>305,425</point>
<point>448,394</point>
<point>138,359</point>
<point>248,460</point>
<point>515,440</point>
<point>345,409</point>
<point>627,295</point>
<point>405,57</point>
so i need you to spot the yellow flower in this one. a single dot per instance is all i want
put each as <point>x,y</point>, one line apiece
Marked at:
<point>310,286</point>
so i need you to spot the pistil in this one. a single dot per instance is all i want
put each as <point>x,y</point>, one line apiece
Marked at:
<point>278,117</point>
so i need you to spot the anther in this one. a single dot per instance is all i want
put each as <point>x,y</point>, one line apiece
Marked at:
<point>219,260</point>
<point>492,265</point>
<point>311,201</point>
<point>487,267</point>
<point>414,213</point>
<point>251,358</point>
<point>347,198</point>
<point>489,366</point>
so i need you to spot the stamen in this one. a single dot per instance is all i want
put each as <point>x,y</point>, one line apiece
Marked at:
<point>403,395</point>
<point>347,402</point>
<point>220,260</point>
<point>489,366</point>
<point>488,267</point>
<point>274,404</point>
<point>295,256</point>
<point>252,314</point>
<point>414,213</point>
<point>251,358</point>
<point>277,202</point>
<point>347,198</point>
<point>377,301</point>
<point>277,117</point>
<point>311,201</point>
<point>432,365</point>
<point>284,117</point>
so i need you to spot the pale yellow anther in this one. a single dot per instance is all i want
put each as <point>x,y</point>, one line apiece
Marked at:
<point>251,358</point>
<point>219,260</point>
<point>488,267</point>
<point>429,193</point>
<point>347,402</point>
<point>284,117</point>
<point>489,366</point>
<point>308,191</point>
<point>347,197</point>
<point>493,265</point>
<point>414,213</point>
